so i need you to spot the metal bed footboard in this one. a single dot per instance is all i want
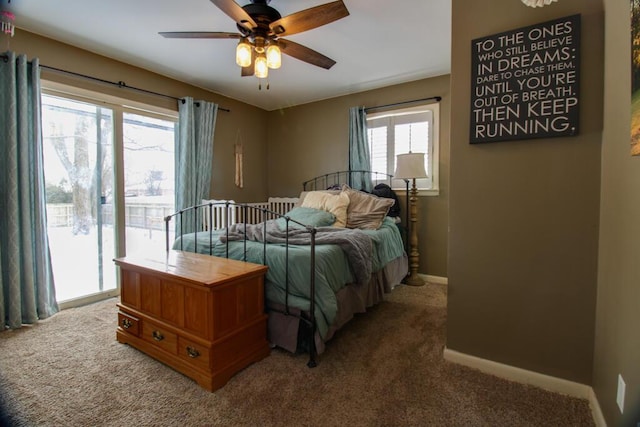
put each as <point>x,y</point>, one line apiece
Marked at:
<point>260,213</point>
<point>205,214</point>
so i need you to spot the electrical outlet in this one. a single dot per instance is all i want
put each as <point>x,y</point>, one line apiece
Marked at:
<point>621,389</point>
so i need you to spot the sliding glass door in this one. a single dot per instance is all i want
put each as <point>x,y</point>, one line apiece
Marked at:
<point>78,163</point>
<point>148,181</point>
<point>109,175</point>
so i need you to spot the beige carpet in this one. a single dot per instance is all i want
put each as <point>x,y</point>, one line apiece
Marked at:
<point>384,369</point>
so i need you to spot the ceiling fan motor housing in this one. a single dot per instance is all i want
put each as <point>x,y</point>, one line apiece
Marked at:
<point>263,15</point>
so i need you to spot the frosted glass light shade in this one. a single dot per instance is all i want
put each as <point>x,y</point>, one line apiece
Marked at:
<point>243,53</point>
<point>410,165</point>
<point>274,58</point>
<point>261,69</point>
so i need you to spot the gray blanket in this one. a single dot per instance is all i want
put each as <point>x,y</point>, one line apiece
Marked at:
<point>357,245</point>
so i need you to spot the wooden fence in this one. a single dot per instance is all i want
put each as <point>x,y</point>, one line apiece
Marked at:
<point>146,216</point>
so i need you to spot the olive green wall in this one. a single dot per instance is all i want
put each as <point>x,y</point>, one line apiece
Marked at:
<point>617,341</point>
<point>282,148</point>
<point>524,215</point>
<point>248,122</point>
<point>313,139</point>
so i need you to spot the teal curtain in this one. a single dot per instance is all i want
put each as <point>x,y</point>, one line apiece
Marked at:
<point>27,291</point>
<point>194,157</point>
<point>359,157</point>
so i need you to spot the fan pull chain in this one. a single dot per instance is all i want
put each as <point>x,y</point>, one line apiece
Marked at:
<point>260,84</point>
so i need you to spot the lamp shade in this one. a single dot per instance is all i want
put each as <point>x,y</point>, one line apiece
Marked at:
<point>261,70</point>
<point>410,165</point>
<point>274,59</point>
<point>243,53</point>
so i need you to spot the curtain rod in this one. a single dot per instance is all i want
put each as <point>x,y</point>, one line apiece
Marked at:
<point>120,84</point>
<point>437,99</point>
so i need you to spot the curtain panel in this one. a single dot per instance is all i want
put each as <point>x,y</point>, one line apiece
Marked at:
<point>194,157</point>
<point>27,291</point>
<point>359,157</point>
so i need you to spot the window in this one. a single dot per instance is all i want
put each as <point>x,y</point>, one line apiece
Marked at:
<point>399,131</point>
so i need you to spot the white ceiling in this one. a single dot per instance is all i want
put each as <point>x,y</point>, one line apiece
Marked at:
<point>381,42</point>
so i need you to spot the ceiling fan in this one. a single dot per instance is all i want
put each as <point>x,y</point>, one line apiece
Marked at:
<point>260,29</point>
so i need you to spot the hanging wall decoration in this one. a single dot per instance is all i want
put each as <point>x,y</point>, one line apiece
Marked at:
<point>525,82</point>
<point>538,3</point>
<point>239,178</point>
<point>7,20</point>
<point>635,77</point>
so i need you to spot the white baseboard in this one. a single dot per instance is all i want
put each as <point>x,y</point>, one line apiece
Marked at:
<point>523,376</point>
<point>438,280</point>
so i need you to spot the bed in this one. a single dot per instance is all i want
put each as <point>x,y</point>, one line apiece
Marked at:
<point>333,241</point>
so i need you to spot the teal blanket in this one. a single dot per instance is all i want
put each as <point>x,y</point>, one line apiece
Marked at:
<point>337,262</point>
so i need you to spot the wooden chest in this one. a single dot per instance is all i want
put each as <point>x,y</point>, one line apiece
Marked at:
<point>203,316</point>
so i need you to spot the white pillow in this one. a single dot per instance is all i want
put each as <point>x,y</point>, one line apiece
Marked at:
<point>304,193</point>
<point>337,204</point>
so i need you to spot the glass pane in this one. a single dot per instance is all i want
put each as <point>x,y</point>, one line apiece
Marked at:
<point>78,147</point>
<point>148,181</point>
<point>405,130</point>
<point>378,149</point>
<point>414,137</point>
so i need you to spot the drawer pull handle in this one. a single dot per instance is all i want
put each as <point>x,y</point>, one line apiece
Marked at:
<point>192,352</point>
<point>126,323</point>
<point>157,335</point>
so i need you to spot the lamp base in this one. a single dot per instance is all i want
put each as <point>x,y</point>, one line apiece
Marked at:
<point>414,280</point>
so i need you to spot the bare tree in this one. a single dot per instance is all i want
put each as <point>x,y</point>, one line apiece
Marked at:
<point>75,154</point>
<point>153,181</point>
<point>79,172</point>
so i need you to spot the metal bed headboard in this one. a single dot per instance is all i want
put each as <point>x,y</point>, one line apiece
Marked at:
<point>322,182</point>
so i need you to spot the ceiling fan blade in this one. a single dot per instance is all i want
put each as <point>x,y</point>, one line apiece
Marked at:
<point>305,54</point>
<point>237,13</point>
<point>199,35</point>
<point>309,18</point>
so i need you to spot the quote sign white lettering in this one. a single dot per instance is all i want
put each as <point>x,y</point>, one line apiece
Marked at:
<point>525,83</point>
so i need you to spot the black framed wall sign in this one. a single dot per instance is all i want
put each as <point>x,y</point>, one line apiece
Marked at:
<point>525,83</point>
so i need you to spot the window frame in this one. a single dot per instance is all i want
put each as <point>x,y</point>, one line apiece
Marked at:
<point>432,149</point>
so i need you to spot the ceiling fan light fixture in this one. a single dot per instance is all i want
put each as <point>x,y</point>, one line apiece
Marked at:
<point>243,53</point>
<point>274,57</point>
<point>261,69</point>
<point>258,43</point>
